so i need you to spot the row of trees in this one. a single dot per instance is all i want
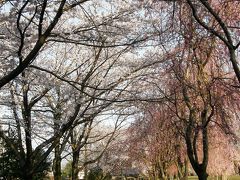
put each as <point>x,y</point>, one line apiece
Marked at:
<point>199,112</point>
<point>62,59</point>
<point>69,65</point>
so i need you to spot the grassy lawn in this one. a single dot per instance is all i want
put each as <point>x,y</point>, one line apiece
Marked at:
<point>192,177</point>
<point>234,177</point>
<point>215,178</point>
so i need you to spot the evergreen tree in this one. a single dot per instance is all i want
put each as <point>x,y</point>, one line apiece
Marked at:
<point>10,165</point>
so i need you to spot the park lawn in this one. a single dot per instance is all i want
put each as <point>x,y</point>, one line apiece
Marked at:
<point>214,178</point>
<point>234,178</point>
<point>192,177</point>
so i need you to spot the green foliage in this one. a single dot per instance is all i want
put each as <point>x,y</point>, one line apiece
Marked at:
<point>67,170</point>
<point>11,167</point>
<point>98,174</point>
<point>42,169</point>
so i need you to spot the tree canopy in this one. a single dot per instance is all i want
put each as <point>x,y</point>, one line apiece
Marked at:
<point>156,81</point>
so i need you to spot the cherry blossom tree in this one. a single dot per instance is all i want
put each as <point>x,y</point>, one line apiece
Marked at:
<point>222,23</point>
<point>155,143</point>
<point>28,27</point>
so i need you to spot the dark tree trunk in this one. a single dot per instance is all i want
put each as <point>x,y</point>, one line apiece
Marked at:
<point>192,152</point>
<point>57,163</point>
<point>26,112</point>
<point>75,164</point>
<point>57,151</point>
<point>234,62</point>
<point>199,168</point>
<point>202,174</point>
<point>28,168</point>
<point>27,175</point>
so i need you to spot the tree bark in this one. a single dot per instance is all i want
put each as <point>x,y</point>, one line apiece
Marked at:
<point>235,64</point>
<point>26,112</point>
<point>27,175</point>
<point>201,173</point>
<point>199,168</point>
<point>57,163</point>
<point>75,163</point>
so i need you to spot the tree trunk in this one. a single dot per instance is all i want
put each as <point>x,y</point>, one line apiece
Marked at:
<point>57,163</point>
<point>28,167</point>
<point>202,174</point>
<point>57,153</point>
<point>26,112</point>
<point>192,152</point>
<point>200,169</point>
<point>75,164</point>
<point>234,62</point>
<point>27,175</point>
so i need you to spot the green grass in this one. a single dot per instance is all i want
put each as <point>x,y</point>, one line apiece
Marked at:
<point>234,178</point>
<point>215,178</point>
<point>192,177</point>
